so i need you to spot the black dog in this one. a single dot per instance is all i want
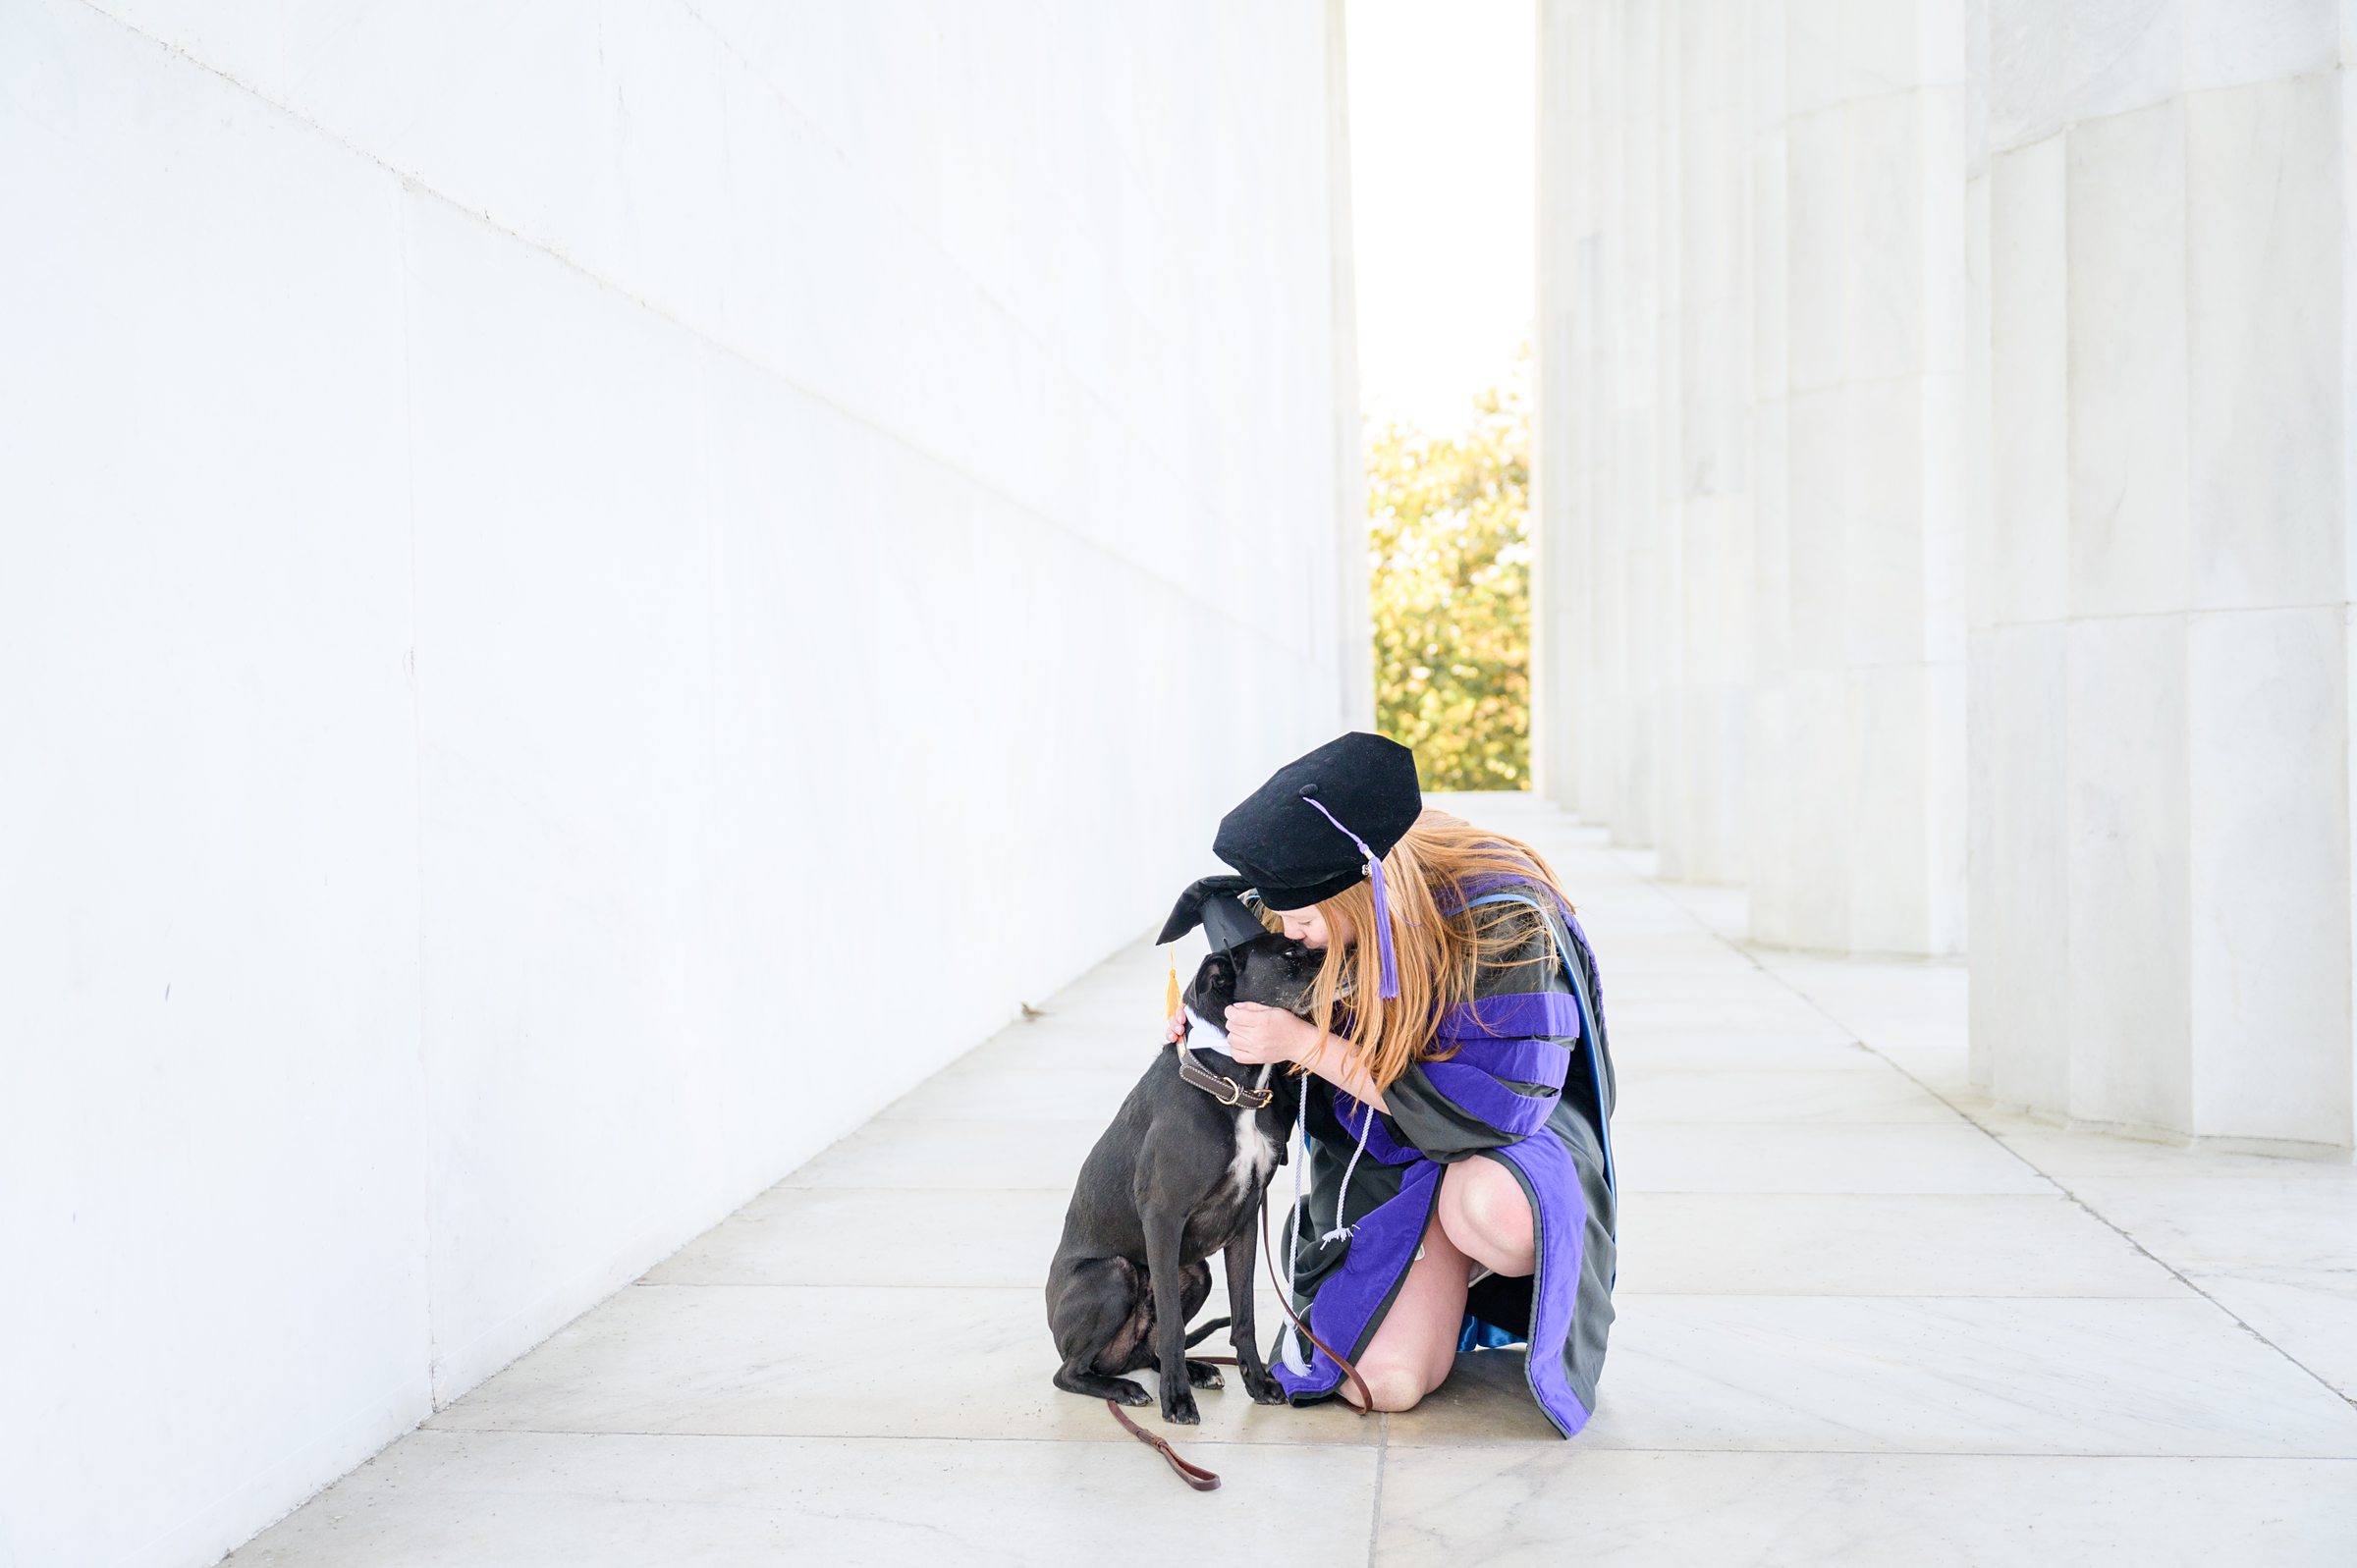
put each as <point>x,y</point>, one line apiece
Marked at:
<point>1178,1176</point>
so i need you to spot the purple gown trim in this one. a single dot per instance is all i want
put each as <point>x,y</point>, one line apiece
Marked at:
<point>1559,1210</point>
<point>1502,1107</point>
<point>1512,1015</point>
<point>1517,1060</point>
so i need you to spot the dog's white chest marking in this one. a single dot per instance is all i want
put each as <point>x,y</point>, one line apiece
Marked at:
<point>1255,1155</point>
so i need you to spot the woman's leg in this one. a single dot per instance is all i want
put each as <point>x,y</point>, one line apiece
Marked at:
<point>1487,1216</point>
<point>1413,1350</point>
<point>1482,1216</point>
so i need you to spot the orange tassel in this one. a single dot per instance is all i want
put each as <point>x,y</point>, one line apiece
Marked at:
<point>1170,990</point>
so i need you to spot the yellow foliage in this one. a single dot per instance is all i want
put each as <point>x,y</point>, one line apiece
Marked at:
<point>1449,533</point>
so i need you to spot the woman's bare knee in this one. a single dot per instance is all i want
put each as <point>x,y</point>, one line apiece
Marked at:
<point>1393,1385</point>
<point>1487,1216</point>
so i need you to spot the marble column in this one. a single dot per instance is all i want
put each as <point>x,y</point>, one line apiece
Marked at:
<point>1563,644</point>
<point>2161,593</point>
<point>1855,760</point>
<point>1767,796</point>
<point>1705,708</point>
<point>1601,638</point>
<point>1638,258</point>
<point>1751,628</point>
<point>1355,660</point>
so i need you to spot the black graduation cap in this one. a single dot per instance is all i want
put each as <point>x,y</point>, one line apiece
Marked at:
<point>1311,830</point>
<point>1322,822</point>
<point>1213,904</point>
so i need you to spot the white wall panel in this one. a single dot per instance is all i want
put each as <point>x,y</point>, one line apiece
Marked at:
<point>593,592</point>
<point>212,1116</point>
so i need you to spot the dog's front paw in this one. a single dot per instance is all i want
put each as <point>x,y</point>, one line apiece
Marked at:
<point>1203,1375</point>
<point>1263,1386</point>
<point>1179,1406</point>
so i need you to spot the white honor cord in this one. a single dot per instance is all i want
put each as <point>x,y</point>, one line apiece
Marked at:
<point>1342,1215</point>
<point>1296,1358</point>
<point>1291,1352</point>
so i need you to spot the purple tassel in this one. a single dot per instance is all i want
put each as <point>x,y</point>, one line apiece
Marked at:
<point>1388,964</point>
<point>1382,933</point>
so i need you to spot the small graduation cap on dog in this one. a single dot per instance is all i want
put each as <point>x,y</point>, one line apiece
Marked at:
<point>1211,903</point>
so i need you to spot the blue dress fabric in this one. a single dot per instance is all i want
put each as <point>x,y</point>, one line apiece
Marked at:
<point>1527,1081</point>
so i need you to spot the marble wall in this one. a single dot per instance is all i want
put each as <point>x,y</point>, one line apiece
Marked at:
<point>590,592</point>
<point>2160,770</point>
<point>1943,510</point>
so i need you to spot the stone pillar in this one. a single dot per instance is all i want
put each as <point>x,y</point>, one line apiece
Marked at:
<point>1750,447</point>
<point>1706,350</point>
<point>2160,645</point>
<point>1355,656</point>
<point>1855,752</point>
<point>1598,451</point>
<point>1564,641</point>
<point>1658,630</point>
<point>1632,371</point>
<point>1767,796</point>
<point>1579,654</point>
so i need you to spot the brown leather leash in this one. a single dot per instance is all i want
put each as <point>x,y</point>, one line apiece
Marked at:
<point>1194,1474</point>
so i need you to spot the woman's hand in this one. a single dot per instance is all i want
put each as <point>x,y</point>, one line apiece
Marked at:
<point>1258,1034</point>
<point>1175,1030</point>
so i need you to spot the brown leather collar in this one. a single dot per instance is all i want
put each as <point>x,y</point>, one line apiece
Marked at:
<point>1226,1091</point>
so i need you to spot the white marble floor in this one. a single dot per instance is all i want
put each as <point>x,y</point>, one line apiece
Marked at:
<point>1864,1318</point>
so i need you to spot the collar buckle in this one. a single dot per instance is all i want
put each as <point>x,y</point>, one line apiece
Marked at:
<point>1225,1089</point>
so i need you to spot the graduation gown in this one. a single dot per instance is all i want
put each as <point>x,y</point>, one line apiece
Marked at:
<point>1530,1085</point>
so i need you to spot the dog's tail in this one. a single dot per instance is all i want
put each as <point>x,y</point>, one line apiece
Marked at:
<point>1202,1329</point>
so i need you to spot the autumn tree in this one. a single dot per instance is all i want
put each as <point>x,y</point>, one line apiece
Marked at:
<point>1449,533</point>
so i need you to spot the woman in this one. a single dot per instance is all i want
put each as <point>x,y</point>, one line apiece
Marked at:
<point>1460,1191</point>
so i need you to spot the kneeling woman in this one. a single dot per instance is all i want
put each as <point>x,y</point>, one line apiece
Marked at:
<point>1460,1185</point>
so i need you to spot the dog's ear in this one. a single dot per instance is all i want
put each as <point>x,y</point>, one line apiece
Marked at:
<point>1187,913</point>
<point>1214,985</point>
